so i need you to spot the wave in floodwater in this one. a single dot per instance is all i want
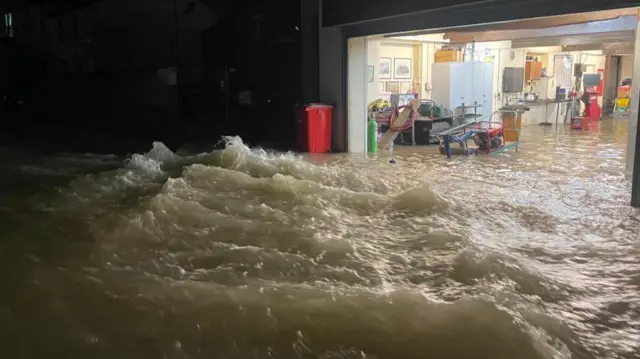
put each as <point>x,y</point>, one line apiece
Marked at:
<point>244,253</point>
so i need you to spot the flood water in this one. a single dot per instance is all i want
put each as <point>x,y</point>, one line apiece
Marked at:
<point>242,253</point>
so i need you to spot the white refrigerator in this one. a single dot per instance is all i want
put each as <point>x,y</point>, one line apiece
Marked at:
<point>455,83</point>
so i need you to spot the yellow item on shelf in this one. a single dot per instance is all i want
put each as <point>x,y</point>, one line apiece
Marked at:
<point>622,102</point>
<point>378,104</point>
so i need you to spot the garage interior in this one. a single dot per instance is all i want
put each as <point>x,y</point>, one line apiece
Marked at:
<point>532,62</point>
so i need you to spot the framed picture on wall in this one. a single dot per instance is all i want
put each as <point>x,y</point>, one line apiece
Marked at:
<point>392,86</point>
<point>401,68</point>
<point>384,68</point>
<point>406,86</point>
<point>370,74</point>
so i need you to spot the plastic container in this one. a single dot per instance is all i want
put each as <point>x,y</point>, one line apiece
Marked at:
<point>624,91</point>
<point>622,102</point>
<point>314,128</point>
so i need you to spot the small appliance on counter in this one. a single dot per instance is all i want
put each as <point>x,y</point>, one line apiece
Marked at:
<point>545,88</point>
<point>561,94</point>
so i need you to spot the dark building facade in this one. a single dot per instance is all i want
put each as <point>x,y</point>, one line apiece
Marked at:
<point>256,72</point>
<point>106,61</point>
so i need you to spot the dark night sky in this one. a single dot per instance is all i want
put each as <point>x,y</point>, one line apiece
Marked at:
<point>57,7</point>
<point>53,6</point>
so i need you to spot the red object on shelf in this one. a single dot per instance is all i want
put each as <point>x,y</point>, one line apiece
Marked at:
<point>314,128</point>
<point>624,91</point>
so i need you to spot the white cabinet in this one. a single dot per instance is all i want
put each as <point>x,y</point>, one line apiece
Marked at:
<point>455,83</point>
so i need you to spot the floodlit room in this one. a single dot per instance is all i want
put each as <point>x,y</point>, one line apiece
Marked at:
<point>481,89</point>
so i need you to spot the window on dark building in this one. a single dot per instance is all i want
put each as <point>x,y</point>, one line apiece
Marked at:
<point>8,24</point>
<point>79,63</point>
<point>75,26</point>
<point>88,64</point>
<point>257,27</point>
<point>27,27</point>
<point>60,31</point>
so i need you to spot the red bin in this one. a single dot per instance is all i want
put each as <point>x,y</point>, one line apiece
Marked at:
<point>314,128</point>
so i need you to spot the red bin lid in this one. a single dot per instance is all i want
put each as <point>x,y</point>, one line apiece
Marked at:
<point>316,106</point>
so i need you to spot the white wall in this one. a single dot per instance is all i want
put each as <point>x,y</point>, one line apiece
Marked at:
<point>428,56</point>
<point>593,59</point>
<point>504,56</point>
<point>626,67</point>
<point>373,54</point>
<point>429,44</point>
<point>394,49</point>
<point>357,94</point>
<point>420,49</point>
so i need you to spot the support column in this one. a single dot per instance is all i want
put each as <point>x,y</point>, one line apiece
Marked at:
<point>332,83</point>
<point>635,186</point>
<point>373,54</point>
<point>357,94</point>
<point>633,143</point>
<point>310,34</point>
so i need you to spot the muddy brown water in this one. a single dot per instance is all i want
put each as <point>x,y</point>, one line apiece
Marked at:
<point>242,253</point>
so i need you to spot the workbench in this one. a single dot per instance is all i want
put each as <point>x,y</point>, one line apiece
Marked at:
<point>560,109</point>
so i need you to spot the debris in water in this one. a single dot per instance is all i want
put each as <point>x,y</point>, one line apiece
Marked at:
<point>393,160</point>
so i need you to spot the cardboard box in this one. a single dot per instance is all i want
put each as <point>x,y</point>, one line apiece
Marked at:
<point>448,56</point>
<point>511,126</point>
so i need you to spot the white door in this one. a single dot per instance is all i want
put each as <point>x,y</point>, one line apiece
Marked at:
<point>477,87</point>
<point>461,84</point>
<point>487,89</point>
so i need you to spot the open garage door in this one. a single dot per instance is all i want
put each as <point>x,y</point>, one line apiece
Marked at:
<point>360,18</point>
<point>608,27</point>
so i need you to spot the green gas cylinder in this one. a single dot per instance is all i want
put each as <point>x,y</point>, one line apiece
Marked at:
<point>372,135</point>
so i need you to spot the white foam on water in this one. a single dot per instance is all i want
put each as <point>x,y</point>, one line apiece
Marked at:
<point>247,253</point>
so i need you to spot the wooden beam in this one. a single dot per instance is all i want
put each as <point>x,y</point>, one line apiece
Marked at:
<point>623,23</point>
<point>583,47</point>
<point>577,40</point>
<point>553,21</point>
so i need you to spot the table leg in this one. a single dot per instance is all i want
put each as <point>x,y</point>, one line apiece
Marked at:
<point>447,145</point>
<point>413,133</point>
